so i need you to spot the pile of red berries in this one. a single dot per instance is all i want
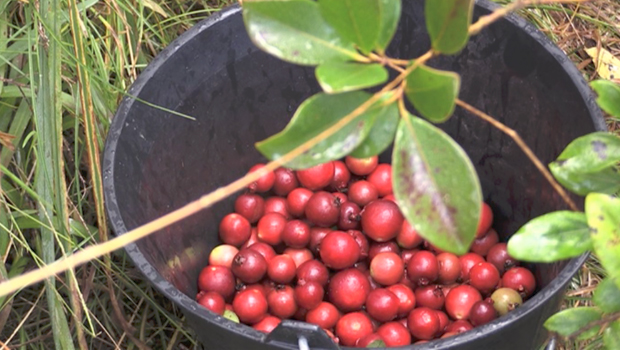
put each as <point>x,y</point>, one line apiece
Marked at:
<point>329,246</point>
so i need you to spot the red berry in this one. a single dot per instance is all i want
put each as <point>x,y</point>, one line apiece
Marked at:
<point>348,289</point>
<point>339,250</point>
<point>265,182</point>
<point>408,237</point>
<point>213,301</point>
<point>520,279</point>
<point>381,177</point>
<point>270,228</point>
<point>326,315</point>
<point>362,192</point>
<point>341,197</point>
<point>353,326</point>
<point>367,340</point>
<point>387,268</point>
<point>449,268</point>
<point>250,206</point>
<point>249,266</point>
<point>317,234</point>
<point>361,166</point>
<point>486,220</point>
<point>250,306</point>
<point>296,234</point>
<point>267,324</point>
<point>498,256</point>
<point>277,205</point>
<point>317,177</point>
<point>253,238</point>
<point>282,302</point>
<point>460,300</point>
<point>223,255</point>
<point>430,296</point>
<point>382,305</point>
<point>341,176</point>
<point>406,298</point>
<point>285,181</point>
<point>234,229</point>
<point>299,255</point>
<point>423,323</point>
<point>309,295</point>
<point>297,200</point>
<point>482,312</point>
<point>323,209</point>
<point>484,277</point>
<point>264,249</point>
<point>483,244</point>
<point>349,216</point>
<point>406,255</point>
<point>423,268</point>
<point>459,326</point>
<point>468,261</point>
<point>382,247</point>
<point>281,269</point>
<point>361,241</point>
<point>381,220</point>
<point>394,334</point>
<point>217,279</point>
<point>444,321</point>
<point>313,271</point>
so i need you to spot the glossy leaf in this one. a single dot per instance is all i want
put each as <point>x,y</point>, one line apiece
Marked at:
<point>604,181</point>
<point>337,77</point>
<point>376,344</point>
<point>381,133</point>
<point>569,321</point>
<point>435,185</point>
<point>355,20</point>
<point>611,336</point>
<point>588,164</point>
<point>390,16</point>
<point>551,237</point>
<point>315,115</point>
<point>607,296</point>
<point>603,212</point>
<point>293,30</point>
<point>608,96</point>
<point>433,92</point>
<point>447,22</point>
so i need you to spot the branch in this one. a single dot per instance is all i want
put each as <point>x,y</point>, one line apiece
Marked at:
<point>526,149</point>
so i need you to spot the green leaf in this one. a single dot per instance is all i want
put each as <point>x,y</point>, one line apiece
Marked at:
<point>337,77</point>
<point>603,212</point>
<point>433,92</point>
<point>381,134</point>
<point>611,336</point>
<point>551,237</point>
<point>569,321</point>
<point>357,21</point>
<point>315,115</point>
<point>608,96</point>
<point>588,164</point>
<point>604,181</point>
<point>447,22</point>
<point>390,15</point>
<point>376,344</point>
<point>231,315</point>
<point>607,296</point>
<point>435,185</point>
<point>293,30</point>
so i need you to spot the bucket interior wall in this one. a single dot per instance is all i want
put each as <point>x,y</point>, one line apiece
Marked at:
<point>240,95</point>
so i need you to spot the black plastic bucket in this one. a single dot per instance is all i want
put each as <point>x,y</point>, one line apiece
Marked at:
<point>156,161</point>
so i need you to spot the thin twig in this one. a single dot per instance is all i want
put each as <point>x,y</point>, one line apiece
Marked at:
<point>604,320</point>
<point>526,149</point>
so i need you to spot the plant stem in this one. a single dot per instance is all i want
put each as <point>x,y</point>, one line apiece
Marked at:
<point>526,149</point>
<point>607,319</point>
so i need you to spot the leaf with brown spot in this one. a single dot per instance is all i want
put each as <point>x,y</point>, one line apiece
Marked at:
<point>606,241</point>
<point>447,22</point>
<point>443,206</point>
